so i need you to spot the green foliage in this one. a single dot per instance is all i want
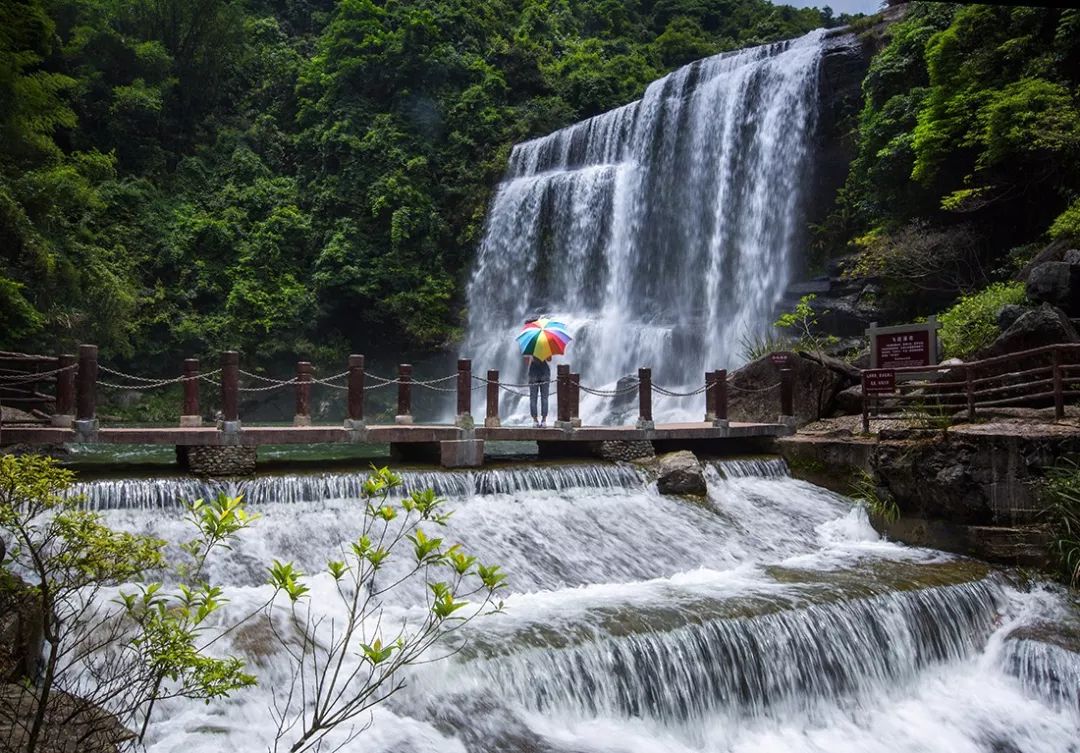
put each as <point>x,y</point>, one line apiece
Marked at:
<point>149,645</point>
<point>760,344</point>
<point>1060,496</point>
<point>970,112</point>
<point>458,588</point>
<point>180,177</point>
<point>1067,224</point>
<point>971,324</point>
<point>803,324</point>
<point>865,491</point>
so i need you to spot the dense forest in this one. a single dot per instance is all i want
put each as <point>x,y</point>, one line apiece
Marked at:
<point>967,156</point>
<point>292,176</point>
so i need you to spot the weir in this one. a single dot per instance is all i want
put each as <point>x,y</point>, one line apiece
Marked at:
<point>770,610</point>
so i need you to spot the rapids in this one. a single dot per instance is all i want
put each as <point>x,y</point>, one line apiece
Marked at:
<point>768,617</point>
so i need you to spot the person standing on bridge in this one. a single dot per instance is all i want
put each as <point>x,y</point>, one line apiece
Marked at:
<point>541,339</point>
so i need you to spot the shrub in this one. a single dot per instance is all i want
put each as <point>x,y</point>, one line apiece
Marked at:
<point>1060,496</point>
<point>1067,225</point>
<point>971,324</point>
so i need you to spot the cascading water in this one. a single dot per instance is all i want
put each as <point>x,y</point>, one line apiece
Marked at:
<point>767,617</point>
<point>662,232</point>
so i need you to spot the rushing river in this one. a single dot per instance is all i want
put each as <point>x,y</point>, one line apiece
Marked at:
<point>768,618</point>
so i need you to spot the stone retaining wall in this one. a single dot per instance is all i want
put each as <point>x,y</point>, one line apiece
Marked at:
<point>234,460</point>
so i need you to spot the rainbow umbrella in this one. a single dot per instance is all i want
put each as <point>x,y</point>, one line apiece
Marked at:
<point>543,338</point>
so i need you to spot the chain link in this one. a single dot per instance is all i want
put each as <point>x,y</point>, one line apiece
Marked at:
<point>36,376</point>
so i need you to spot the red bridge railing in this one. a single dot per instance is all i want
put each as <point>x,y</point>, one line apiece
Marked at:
<point>77,380</point>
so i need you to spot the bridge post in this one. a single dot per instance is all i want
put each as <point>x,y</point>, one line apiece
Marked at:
<point>720,399</point>
<point>464,394</point>
<point>86,423</point>
<point>1059,387</point>
<point>190,415</point>
<point>710,397</point>
<point>645,419</point>
<point>355,419</point>
<point>491,420</point>
<point>404,395</point>
<point>787,398</point>
<point>230,391</point>
<point>575,399</point>
<point>303,394</point>
<point>64,414</point>
<point>562,396</point>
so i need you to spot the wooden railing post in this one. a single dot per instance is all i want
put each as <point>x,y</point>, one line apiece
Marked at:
<point>355,418</point>
<point>464,393</point>
<point>304,372</point>
<point>404,395</point>
<point>721,397</point>
<point>230,391</point>
<point>787,394</point>
<point>969,380</point>
<point>645,419</point>
<point>1059,386</point>
<point>492,414</point>
<point>562,394</point>
<point>86,390</point>
<point>865,403</point>
<point>64,413</point>
<point>189,414</point>
<point>575,399</point>
<point>710,397</point>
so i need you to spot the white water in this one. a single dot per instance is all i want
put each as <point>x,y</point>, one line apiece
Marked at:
<point>771,618</point>
<point>661,232</point>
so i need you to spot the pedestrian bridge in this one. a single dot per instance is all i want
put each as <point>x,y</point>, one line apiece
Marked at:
<point>70,386</point>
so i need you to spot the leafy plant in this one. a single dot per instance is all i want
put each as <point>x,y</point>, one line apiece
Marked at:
<point>113,656</point>
<point>351,654</point>
<point>1060,497</point>
<point>865,491</point>
<point>762,343</point>
<point>971,324</point>
<point>805,330</point>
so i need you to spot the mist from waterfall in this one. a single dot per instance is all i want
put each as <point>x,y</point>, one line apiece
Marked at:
<point>662,232</point>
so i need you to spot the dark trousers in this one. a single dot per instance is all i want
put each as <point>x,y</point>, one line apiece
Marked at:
<point>539,383</point>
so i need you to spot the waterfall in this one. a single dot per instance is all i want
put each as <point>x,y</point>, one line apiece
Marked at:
<point>661,232</point>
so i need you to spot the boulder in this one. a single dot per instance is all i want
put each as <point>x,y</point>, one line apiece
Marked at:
<point>624,403</point>
<point>21,639</point>
<point>680,473</point>
<point>1054,252</point>
<point>1009,313</point>
<point>71,723</point>
<point>754,392</point>
<point>1072,256</point>
<point>849,401</point>
<point>1034,328</point>
<point>1056,283</point>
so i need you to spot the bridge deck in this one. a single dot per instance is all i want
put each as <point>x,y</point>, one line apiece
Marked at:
<point>254,436</point>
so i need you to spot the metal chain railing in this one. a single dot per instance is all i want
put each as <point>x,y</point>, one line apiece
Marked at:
<point>10,380</point>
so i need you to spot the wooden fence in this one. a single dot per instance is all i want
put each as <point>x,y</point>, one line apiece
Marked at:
<point>1036,378</point>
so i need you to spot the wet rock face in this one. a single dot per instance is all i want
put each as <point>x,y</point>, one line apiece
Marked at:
<point>972,480</point>
<point>680,473</point>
